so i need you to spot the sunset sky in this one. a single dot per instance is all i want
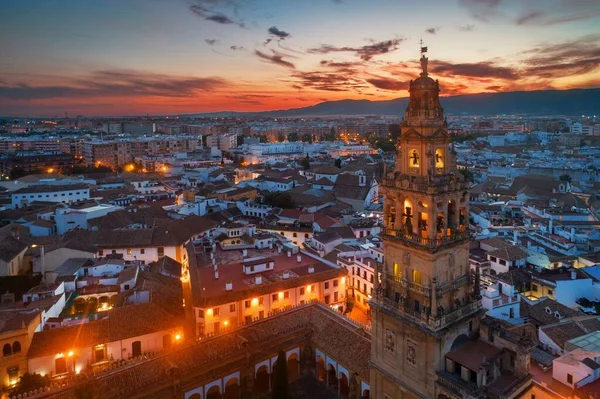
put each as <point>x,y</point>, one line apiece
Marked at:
<point>137,57</point>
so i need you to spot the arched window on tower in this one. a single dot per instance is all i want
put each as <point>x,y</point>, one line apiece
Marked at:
<point>414,159</point>
<point>439,159</point>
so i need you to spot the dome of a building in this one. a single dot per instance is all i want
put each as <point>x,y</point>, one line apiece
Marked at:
<point>424,96</point>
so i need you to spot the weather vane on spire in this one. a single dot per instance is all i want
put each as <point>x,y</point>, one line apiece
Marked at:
<point>423,49</point>
<point>423,59</point>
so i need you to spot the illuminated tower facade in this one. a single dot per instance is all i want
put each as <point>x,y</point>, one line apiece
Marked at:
<point>426,296</point>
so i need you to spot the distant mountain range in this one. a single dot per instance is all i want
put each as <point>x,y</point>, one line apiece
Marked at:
<point>542,102</point>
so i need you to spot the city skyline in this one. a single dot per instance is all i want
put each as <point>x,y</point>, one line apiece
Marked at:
<point>162,57</point>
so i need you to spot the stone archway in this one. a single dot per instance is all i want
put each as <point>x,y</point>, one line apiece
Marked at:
<point>344,388</point>
<point>366,394</point>
<point>458,341</point>
<point>332,380</point>
<point>261,380</point>
<point>293,366</point>
<point>214,392</point>
<point>232,389</point>
<point>321,371</point>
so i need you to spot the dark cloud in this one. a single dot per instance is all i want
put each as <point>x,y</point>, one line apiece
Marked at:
<point>116,84</point>
<point>364,52</point>
<point>219,18</point>
<point>279,33</point>
<point>336,64</point>
<point>482,10</point>
<point>276,59</point>
<point>555,17</point>
<point>432,31</point>
<point>211,42</point>
<point>388,84</point>
<point>577,57</point>
<point>477,69</point>
<point>529,17</point>
<point>552,13</point>
<point>206,9</point>
<point>236,48</point>
<point>494,88</point>
<point>466,28</point>
<point>341,77</point>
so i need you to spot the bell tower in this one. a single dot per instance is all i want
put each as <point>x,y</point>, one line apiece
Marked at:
<point>425,297</point>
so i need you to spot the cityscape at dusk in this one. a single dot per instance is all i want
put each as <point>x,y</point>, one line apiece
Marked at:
<point>309,199</point>
<point>157,57</point>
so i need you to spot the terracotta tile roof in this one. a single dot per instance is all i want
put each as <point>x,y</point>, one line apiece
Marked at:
<point>540,316</point>
<point>472,354</point>
<point>203,358</point>
<point>176,232</point>
<point>510,253</point>
<point>208,292</point>
<point>121,323</point>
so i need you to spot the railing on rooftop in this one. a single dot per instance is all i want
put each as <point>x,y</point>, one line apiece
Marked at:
<point>426,242</point>
<point>436,322</point>
<point>427,184</point>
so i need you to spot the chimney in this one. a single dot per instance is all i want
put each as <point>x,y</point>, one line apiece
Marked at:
<point>286,274</point>
<point>244,253</point>
<point>573,274</point>
<point>15,232</point>
<point>278,250</point>
<point>311,269</point>
<point>362,180</point>
<point>299,258</point>
<point>216,274</point>
<point>550,228</point>
<point>228,286</point>
<point>258,280</point>
<point>289,253</point>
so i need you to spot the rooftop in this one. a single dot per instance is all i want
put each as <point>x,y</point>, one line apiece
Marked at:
<point>207,290</point>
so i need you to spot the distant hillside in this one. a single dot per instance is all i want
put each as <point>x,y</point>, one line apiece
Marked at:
<point>542,102</point>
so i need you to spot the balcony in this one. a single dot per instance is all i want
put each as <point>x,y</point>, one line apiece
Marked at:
<point>410,285</point>
<point>456,386</point>
<point>429,243</point>
<point>426,184</point>
<point>423,289</point>
<point>433,322</point>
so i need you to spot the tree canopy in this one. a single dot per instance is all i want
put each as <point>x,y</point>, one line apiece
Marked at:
<point>280,377</point>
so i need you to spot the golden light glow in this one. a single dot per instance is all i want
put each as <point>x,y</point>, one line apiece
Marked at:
<point>13,382</point>
<point>70,353</point>
<point>308,289</point>
<point>280,295</point>
<point>34,246</point>
<point>129,167</point>
<point>209,312</point>
<point>164,168</point>
<point>177,337</point>
<point>226,322</point>
<point>254,301</point>
<point>50,170</point>
<point>343,280</point>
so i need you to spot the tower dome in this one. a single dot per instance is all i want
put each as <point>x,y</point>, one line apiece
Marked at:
<point>424,97</point>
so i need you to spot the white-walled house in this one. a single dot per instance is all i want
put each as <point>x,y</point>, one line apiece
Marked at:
<point>147,245</point>
<point>66,194</point>
<point>502,259</point>
<point>578,368</point>
<point>127,332</point>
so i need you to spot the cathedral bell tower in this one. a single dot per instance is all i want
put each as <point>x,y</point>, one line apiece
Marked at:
<point>425,297</point>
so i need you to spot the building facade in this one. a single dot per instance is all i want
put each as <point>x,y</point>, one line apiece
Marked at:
<point>425,300</point>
